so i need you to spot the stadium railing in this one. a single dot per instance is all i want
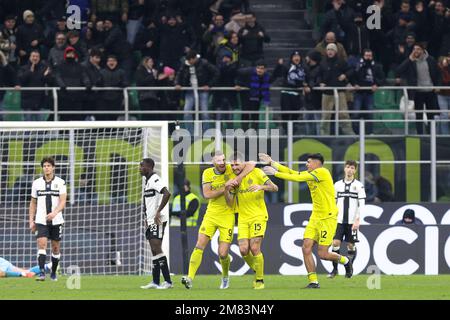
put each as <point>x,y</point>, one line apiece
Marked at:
<point>385,108</point>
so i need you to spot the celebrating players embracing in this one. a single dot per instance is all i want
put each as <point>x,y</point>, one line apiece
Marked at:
<point>218,216</point>
<point>248,201</point>
<point>323,220</point>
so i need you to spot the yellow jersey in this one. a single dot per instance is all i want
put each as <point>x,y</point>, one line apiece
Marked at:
<point>250,205</point>
<point>321,186</point>
<point>217,206</point>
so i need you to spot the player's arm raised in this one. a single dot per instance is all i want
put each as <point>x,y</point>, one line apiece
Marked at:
<point>165,199</point>
<point>266,159</point>
<point>302,176</point>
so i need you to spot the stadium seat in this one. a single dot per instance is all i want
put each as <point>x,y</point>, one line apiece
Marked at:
<point>12,102</point>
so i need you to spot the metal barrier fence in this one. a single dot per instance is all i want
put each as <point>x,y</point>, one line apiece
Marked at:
<point>269,111</point>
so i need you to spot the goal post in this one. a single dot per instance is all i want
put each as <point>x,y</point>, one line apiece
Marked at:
<point>103,231</point>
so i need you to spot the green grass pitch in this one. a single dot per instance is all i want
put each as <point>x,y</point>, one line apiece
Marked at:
<point>206,287</point>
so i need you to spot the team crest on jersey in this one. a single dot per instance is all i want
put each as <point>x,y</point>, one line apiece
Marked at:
<point>250,181</point>
<point>215,177</point>
<point>227,177</point>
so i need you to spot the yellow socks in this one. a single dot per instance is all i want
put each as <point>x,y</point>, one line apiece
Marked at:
<point>343,260</point>
<point>258,263</point>
<point>250,259</point>
<point>194,263</point>
<point>225,266</point>
<point>312,277</point>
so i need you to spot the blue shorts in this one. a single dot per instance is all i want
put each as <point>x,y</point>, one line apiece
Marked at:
<point>6,266</point>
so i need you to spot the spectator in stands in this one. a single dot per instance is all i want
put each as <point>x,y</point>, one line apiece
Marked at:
<point>402,28</point>
<point>213,36</point>
<point>371,188</point>
<point>92,66</point>
<point>368,73</point>
<point>358,39</point>
<point>258,80</point>
<point>409,217</point>
<point>115,44</point>
<point>334,73</point>
<point>115,9</point>
<point>237,22</point>
<point>95,36</point>
<point>421,70</point>
<point>112,76</point>
<point>338,20</point>
<point>404,49</point>
<point>384,188</point>
<point>7,78</point>
<point>444,95</point>
<point>440,28</point>
<point>293,76</point>
<point>29,37</point>
<point>174,43</point>
<point>60,27</point>
<point>71,74</point>
<point>198,73</point>
<point>147,41</point>
<point>135,14</point>
<point>147,76</point>
<point>229,7</point>
<point>330,37</point>
<point>34,74</point>
<point>170,99</point>
<point>79,45</point>
<point>313,98</point>
<point>56,54</point>
<point>229,46</point>
<point>226,100</point>
<point>8,40</point>
<point>252,37</point>
<point>421,24</point>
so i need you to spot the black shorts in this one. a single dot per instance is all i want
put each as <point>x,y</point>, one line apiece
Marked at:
<point>52,232</point>
<point>344,232</point>
<point>155,231</point>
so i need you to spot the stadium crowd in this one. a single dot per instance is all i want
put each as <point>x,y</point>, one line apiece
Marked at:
<point>173,43</point>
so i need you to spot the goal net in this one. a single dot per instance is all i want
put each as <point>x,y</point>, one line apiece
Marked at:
<point>103,231</point>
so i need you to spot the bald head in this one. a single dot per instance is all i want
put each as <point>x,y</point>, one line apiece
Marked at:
<point>330,37</point>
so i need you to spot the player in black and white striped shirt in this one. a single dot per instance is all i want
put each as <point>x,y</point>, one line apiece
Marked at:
<point>48,199</point>
<point>350,196</point>
<point>156,196</point>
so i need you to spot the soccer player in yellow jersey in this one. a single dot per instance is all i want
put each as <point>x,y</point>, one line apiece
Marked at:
<point>218,216</point>
<point>323,220</point>
<point>248,201</point>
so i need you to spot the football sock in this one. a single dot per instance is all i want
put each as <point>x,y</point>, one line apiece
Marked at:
<point>55,261</point>
<point>42,255</point>
<point>194,263</point>
<point>259,266</point>
<point>249,258</point>
<point>13,274</point>
<point>343,260</point>
<point>156,269</point>
<point>164,268</point>
<point>352,254</point>
<point>312,277</point>
<point>225,266</point>
<point>337,251</point>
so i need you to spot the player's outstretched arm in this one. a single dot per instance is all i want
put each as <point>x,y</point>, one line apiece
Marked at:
<point>266,159</point>
<point>302,176</point>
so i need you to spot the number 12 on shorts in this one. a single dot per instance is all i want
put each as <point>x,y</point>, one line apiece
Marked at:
<point>323,234</point>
